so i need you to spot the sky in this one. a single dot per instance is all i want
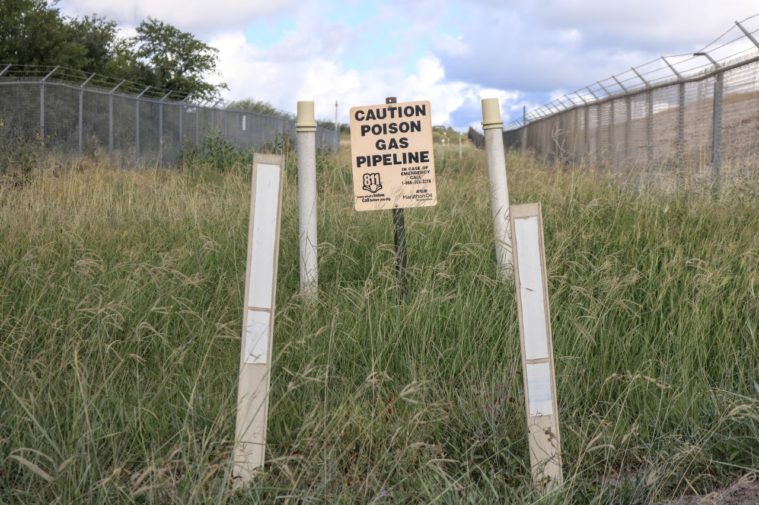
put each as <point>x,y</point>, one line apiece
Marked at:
<point>523,52</point>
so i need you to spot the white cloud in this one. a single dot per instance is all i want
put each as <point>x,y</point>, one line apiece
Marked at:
<point>198,16</point>
<point>648,23</point>
<point>542,46</point>
<point>520,51</point>
<point>251,73</point>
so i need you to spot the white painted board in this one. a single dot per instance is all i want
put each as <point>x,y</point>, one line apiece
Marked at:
<point>531,288</point>
<point>537,355</point>
<point>264,236</point>
<point>539,394</point>
<point>257,329</point>
<point>258,317</point>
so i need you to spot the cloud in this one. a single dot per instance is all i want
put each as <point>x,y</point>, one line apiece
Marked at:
<point>197,16</point>
<point>654,25</point>
<point>542,46</point>
<point>252,73</point>
<point>452,53</point>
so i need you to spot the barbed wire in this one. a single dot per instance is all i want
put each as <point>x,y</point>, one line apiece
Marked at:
<point>91,81</point>
<point>662,71</point>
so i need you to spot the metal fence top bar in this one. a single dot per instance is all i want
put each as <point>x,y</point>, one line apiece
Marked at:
<point>747,33</point>
<point>50,74</point>
<point>117,86</point>
<point>73,76</point>
<point>88,80</point>
<point>673,69</point>
<point>725,53</point>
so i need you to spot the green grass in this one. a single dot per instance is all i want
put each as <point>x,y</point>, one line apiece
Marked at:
<point>120,315</point>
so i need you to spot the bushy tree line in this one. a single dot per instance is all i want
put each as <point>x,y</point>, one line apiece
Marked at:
<point>34,32</point>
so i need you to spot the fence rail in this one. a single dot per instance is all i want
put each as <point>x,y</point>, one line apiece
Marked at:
<point>70,112</point>
<point>688,112</point>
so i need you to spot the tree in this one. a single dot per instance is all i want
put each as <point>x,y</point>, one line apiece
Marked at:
<point>98,41</point>
<point>32,32</point>
<point>170,58</point>
<point>257,106</point>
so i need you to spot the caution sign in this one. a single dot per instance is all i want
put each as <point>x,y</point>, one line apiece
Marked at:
<point>391,151</point>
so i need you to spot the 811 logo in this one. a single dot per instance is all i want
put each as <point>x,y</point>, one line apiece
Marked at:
<point>372,182</point>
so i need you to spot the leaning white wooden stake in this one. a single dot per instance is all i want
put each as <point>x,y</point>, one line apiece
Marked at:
<point>499,188</point>
<point>305,127</point>
<point>536,344</point>
<point>258,316</point>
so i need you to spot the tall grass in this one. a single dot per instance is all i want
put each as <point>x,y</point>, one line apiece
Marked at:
<point>120,315</point>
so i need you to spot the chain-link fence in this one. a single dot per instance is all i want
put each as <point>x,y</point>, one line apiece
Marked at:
<point>68,112</point>
<point>688,116</point>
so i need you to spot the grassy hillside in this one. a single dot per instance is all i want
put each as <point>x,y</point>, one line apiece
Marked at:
<point>120,315</point>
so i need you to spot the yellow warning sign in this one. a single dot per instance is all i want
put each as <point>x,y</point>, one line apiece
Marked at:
<point>392,158</point>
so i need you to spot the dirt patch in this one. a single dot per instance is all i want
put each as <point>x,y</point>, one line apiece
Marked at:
<point>743,492</point>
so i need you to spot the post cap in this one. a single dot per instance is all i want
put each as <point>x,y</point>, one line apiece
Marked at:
<point>491,113</point>
<point>305,121</point>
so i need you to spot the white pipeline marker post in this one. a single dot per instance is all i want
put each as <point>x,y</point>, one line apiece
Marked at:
<point>305,126</point>
<point>536,344</point>
<point>499,188</point>
<point>258,316</point>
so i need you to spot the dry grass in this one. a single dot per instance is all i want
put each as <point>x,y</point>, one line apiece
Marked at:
<point>120,313</point>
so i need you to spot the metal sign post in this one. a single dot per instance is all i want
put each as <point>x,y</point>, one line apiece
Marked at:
<point>393,165</point>
<point>399,237</point>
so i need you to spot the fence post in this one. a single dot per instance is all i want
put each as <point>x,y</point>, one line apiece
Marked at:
<point>628,125</point>
<point>110,116</point>
<point>181,110</point>
<point>612,144</point>
<point>80,119</point>
<point>137,124</point>
<point>160,128</point>
<point>716,130</point>
<point>575,132</point>
<point>680,143</point>
<point>680,128</point>
<point>650,128</point>
<point>626,133</point>
<point>42,112</point>
<point>499,188</point>
<point>42,104</point>
<point>553,148</point>
<point>550,134</point>
<point>305,127</point>
<point>137,130</point>
<point>160,133</point>
<point>225,124</point>
<point>599,161</point>
<point>110,123</point>
<point>586,133</point>
<point>80,123</point>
